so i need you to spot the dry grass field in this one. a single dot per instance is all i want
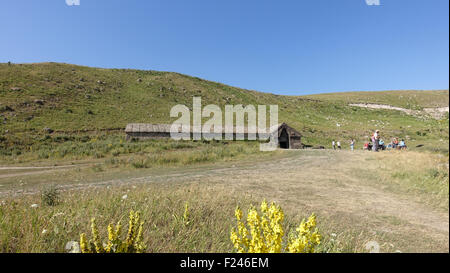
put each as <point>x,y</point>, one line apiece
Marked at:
<point>398,199</point>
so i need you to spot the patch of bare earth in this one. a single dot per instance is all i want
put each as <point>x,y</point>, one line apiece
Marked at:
<point>436,113</point>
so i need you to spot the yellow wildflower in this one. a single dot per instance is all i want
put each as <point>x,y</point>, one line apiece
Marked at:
<point>132,243</point>
<point>264,232</point>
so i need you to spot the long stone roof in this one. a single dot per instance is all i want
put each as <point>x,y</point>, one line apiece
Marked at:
<point>166,128</point>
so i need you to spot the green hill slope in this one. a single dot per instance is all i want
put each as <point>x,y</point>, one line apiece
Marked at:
<point>68,98</point>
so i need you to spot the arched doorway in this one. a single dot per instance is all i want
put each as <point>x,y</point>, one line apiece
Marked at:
<point>283,140</point>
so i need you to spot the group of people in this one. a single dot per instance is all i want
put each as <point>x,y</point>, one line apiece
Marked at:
<point>395,144</point>
<point>337,144</point>
<point>376,144</point>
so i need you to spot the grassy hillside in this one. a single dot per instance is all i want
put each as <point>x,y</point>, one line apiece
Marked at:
<point>69,98</point>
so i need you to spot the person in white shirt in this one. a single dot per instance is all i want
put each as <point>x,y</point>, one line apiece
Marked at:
<point>339,145</point>
<point>375,139</point>
<point>333,144</point>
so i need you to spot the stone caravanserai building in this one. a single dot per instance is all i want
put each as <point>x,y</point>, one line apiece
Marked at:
<point>288,137</point>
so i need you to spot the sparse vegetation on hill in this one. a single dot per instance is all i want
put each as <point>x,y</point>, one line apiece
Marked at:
<point>50,101</point>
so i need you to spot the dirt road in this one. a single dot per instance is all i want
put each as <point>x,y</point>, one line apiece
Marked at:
<point>32,170</point>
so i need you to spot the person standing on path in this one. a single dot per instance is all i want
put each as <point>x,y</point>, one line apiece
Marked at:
<point>352,144</point>
<point>375,139</point>
<point>333,144</point>
<point>339,145</point>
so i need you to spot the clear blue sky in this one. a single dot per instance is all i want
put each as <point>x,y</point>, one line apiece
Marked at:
<point>283,47</point>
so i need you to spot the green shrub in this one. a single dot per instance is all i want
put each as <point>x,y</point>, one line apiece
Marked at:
<point>139,164</point>
<point>50,196</point>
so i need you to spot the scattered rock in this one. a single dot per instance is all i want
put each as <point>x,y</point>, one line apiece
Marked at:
<point>48,130</point>
<point>73,247</point>
<point>139,80</point>
<point>34,206</point>
<point>6,108</point>
<point>39,102</point>
<point>15,89</point>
